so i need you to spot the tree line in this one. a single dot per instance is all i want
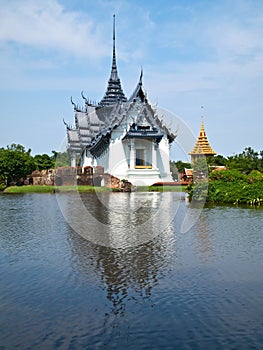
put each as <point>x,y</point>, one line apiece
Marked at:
<point>16,162</point>
<point>245,162</point>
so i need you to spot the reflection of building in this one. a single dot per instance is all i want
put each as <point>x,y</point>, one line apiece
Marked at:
<point>133,267</point>
<point>202,147</point>
<point>125,136</point>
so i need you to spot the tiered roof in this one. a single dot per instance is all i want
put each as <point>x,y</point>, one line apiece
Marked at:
<point>94,123</point>
<point>202,145</point>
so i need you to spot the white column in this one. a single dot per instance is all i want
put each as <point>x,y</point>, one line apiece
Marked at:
<point>73,160</point>
<point>132,154</point>
<point>154,155</point>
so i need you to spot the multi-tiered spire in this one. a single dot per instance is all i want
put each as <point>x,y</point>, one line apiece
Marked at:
<point>114,92</point>
<point>202,146</point>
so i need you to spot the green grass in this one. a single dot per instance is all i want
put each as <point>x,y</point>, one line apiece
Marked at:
<point>52,189</point>
<point>168,188</point>
<point>84,189</point>
<point>29,189</point>
<point>161,188</point>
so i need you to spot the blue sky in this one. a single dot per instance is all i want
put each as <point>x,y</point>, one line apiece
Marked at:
<point>193,54</point>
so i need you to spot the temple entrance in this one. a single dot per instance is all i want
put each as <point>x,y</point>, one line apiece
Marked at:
<point>140,157</point>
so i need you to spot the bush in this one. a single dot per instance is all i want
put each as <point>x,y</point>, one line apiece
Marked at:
<point>230,186</point>
<point>228,175</point>
<point>254,176</point>
<point>236,193</point>
<point>2,187</point>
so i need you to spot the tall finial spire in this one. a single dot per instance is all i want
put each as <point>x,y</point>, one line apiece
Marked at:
<point>114,72</point>
<point>114,65</point>
<point>114,91</point>
<point>114,27</point>
<point>140,81</point>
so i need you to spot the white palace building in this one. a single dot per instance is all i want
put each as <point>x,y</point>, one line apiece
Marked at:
<point>123,135</point>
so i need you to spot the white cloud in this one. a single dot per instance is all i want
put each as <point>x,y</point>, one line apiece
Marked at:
<point>47,25</point>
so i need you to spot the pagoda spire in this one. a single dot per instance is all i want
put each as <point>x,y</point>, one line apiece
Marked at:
<point>202,146</point>
<point>114,72</point>
<point>114,92</point>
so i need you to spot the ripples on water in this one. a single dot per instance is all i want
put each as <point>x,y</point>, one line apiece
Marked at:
<point>196,290</point>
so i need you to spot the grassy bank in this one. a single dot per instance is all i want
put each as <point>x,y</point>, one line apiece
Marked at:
<point>29,189</point>
<point>85,189</point>
<point>161,188</point>
<point>53,189</point>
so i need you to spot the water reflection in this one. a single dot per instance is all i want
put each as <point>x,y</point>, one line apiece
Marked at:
<point>201,289</point>
<point>24,219</point>
<point>128,273</point>
<point>205,244</point>
<point>119,220</point>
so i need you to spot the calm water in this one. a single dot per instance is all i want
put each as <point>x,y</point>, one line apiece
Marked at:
<point>153,289</point>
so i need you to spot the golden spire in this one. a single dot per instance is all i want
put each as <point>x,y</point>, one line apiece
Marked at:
<point>202,146</point>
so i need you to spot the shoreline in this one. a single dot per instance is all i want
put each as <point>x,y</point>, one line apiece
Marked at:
<point>86,189</point>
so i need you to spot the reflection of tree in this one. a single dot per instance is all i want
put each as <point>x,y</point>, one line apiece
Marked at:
<point>205,245</point>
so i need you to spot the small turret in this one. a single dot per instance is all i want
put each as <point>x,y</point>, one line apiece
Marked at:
<point>139,92</point>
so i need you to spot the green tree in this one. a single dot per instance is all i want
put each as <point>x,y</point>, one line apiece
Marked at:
<point>178,167</point>
<point>246,161</point>
<point>60,159</point>
<point>218,160</point>
<point>15,163</point>
<point>44,161</point>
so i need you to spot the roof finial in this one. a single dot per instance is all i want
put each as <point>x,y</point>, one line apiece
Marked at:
<point>113,27</point>
<point>114,91</point>
<point>202,115</point>
<point>74,104</point>
<point>140,81</point>
<point>114,65</point>
<point>66,124</point>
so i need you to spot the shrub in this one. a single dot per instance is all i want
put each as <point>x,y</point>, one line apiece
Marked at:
<point>228,175</point>
<point>2,187</point>
<point>254,176</point>
<point>230,187</point>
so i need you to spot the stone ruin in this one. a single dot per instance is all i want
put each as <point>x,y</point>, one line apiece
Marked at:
<point>70,176</point>
<point>41,177</point>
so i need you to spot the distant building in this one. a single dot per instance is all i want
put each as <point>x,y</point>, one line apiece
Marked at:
<point>202,147</point>
<point>187,175</point>
<point>123,135</point>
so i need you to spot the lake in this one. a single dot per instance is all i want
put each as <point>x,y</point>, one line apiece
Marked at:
<point>129,271</point>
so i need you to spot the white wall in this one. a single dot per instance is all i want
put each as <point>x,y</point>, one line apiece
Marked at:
<point>118,151</point>
<point>116,159</point>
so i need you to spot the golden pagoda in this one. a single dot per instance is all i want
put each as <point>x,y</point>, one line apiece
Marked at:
<point>202,146</point>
